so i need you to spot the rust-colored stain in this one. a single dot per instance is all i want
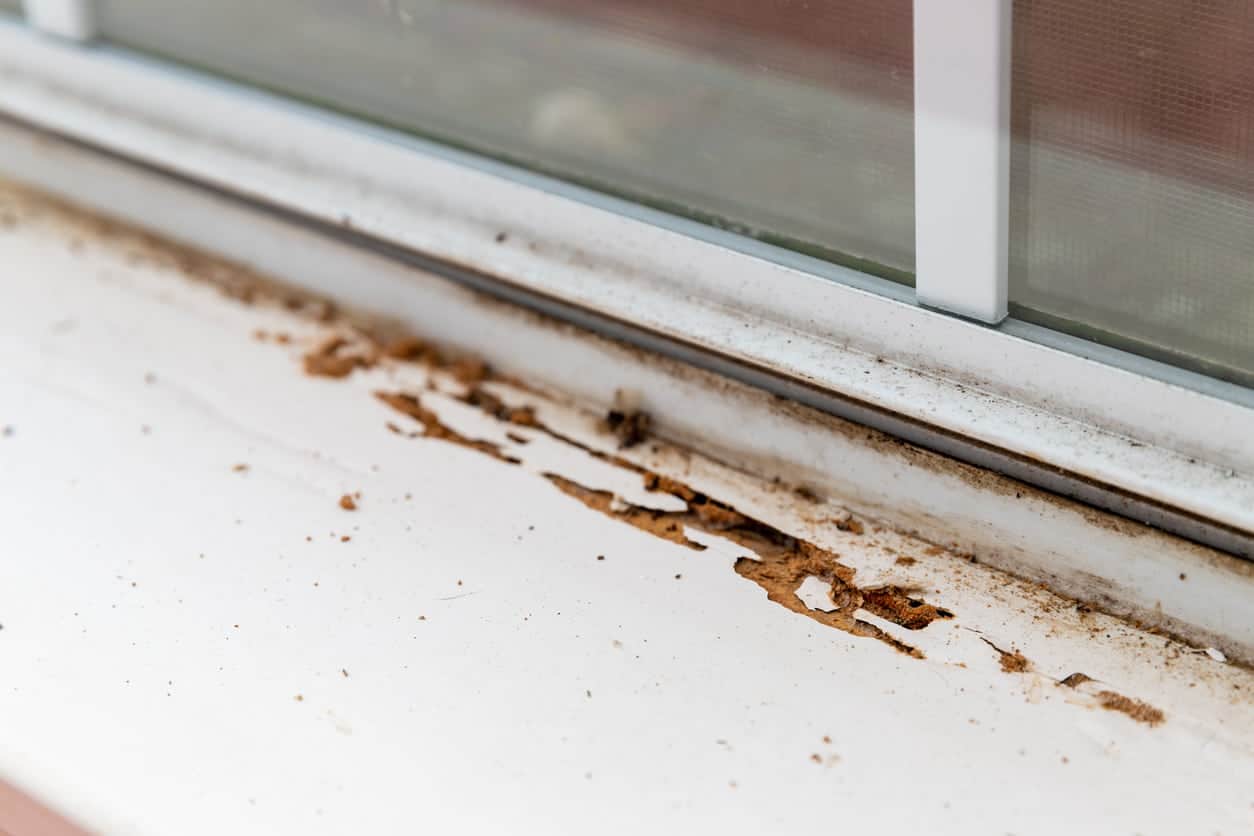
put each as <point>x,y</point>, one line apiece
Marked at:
<point>348,503</point>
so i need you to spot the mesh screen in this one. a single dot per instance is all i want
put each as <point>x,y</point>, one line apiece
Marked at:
<point>1132,189</point>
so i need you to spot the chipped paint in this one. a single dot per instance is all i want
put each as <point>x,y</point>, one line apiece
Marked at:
<point>778,562</point>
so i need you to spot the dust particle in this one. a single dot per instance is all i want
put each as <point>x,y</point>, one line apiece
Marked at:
<point>239,468</point>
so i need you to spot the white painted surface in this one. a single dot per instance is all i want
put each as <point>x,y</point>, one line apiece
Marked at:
<point>71,19</point>
<point>1065,545</point>
<point>1100,422</point>
<point>962,155</point>
<point>549,692</point>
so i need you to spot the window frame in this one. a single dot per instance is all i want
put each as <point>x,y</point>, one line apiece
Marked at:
<point>1087,414</point>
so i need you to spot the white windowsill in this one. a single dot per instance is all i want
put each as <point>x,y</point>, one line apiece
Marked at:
<point>162,609</point>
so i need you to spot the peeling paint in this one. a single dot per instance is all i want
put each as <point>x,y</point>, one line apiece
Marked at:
<point>1024,532</point>
<point>1138,710</point>
<point>703,654</point>
<point>778,562</point>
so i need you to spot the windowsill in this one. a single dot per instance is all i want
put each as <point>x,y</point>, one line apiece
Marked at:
<point>188,630</point>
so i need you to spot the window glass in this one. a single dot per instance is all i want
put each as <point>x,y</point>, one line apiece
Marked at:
<point>1132,205</point>
<point>786,119</point>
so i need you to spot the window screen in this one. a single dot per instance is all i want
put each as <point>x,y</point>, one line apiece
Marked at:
<point>1132,208</point>
<point>785,119</point>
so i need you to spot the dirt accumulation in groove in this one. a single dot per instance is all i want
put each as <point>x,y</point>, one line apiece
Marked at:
<point>782,562</point>
<point>630,427</point>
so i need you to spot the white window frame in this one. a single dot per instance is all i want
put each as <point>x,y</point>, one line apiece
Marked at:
<point>962,156</point>
<point>1093,415</point>
<point>71,19</point>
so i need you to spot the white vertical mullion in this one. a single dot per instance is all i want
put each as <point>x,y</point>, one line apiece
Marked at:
<point>962,155</point>
<point>74,20</point>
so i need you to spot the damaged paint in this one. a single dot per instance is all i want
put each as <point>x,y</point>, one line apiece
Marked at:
<point>778,562</point>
